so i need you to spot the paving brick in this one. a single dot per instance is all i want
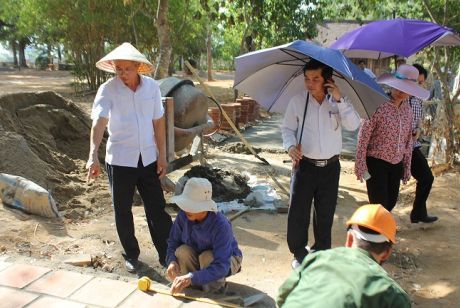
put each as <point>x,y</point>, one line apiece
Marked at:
<point>20,275</point>
<point>59,283</point>
<point>53,302</point>
<point>103,292</point>
<point>13,298</point>
<point>4,265</point>
<point>143,299</point>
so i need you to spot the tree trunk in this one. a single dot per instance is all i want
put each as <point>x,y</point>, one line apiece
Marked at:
<point>209,52</point>
<point>59,54</point>
<point>449,132</point>
<point>14,47</point>
<point>22,57</point>
<point>48,50</point>
<point>162,26</point>
<point>48,53</point>
<point>172,63</point>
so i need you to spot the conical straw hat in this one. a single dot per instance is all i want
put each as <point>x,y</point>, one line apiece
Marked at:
<point>125,51</point>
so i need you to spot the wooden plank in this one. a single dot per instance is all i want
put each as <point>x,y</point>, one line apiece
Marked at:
<point>169,113</point>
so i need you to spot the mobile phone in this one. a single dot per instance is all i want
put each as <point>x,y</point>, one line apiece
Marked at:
<point>366,176</point>
<point>326,88</point>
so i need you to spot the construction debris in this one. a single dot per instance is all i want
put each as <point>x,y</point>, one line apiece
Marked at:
<point>25,195</point>
<point>80,260</point>
<point>226,185</point>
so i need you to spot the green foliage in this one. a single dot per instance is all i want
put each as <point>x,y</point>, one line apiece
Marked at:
<point>273,22</point>
<point>188,23</point>
<point>362,10</point>
<point>89,28</point>
<point>12,29</point>
<point>227,43</point>
<point>86,28</point>
<point>42,61</point>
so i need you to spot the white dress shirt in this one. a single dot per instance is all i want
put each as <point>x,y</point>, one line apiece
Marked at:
<point>131,115</point>
<point>322,133</point>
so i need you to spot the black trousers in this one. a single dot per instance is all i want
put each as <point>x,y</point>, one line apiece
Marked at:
<point>122,181</point>
<point>383,186</point>
<point>309,183</point>
<point>422,173</point>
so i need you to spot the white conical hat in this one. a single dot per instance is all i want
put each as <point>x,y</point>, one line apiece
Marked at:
<point>125,51</point>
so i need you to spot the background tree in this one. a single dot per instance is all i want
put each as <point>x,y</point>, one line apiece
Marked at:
<point>274,22</point>
<point>86,28</point>
<point>182,29</point>
<point>163,31</point>
<point>188,38</point>
<point>14,31</point>
<point>445,61</point>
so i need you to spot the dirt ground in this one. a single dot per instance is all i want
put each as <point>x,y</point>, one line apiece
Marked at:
<point>425,261</point>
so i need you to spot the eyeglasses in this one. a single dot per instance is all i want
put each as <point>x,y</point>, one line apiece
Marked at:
<point>125,70</point>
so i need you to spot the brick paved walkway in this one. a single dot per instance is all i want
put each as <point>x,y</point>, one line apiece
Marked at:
<point>23,285</point>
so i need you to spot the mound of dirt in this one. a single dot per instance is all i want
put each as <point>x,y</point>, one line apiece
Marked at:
<point>44,138</point>
<point>226,185</point>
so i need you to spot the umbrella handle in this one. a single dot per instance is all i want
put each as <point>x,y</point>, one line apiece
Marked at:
<point>295,162</point>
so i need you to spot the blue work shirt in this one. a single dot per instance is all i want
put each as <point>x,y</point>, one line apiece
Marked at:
<point>213,233</point>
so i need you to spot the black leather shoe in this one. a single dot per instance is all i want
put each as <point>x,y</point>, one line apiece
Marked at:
<point>427,219</point>
<point>131,265</point>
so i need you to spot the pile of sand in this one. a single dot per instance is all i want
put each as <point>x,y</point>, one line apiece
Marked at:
<point>44,138</point>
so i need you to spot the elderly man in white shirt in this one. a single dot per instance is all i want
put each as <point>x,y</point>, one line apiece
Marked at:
<point>129,105</point>
<point>312,135</point>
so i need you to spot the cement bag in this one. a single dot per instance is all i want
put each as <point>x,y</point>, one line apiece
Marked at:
<point>27,196</point>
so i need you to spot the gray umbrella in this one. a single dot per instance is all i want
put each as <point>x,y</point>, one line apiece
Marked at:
<point>273,75</point>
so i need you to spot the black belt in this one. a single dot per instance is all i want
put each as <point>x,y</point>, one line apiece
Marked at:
<point>321,162</point>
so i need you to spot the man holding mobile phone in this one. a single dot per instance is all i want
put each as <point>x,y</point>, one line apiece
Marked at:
<point>312,135</point>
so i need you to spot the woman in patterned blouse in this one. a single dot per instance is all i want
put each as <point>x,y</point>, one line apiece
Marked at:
<point>384,150</point>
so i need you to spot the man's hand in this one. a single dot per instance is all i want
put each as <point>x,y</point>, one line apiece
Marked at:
<point>333,90</point>
<point>162,166</point>
<point>416,133</point>
<point>97,133</point>
<point>295,154</point>
<point>173,270</point>
<point>180,283</point>
<point>406,178</point>
<point>94,169</point>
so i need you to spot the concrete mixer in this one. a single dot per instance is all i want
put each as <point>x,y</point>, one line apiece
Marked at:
<point>190,114</point>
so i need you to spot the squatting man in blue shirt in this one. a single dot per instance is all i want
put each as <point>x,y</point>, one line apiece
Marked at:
<point>202,249</point>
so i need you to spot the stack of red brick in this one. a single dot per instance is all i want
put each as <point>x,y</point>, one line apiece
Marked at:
<point>244,111</point>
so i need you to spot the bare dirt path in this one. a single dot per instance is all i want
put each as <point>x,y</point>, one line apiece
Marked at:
<point>425,261</point>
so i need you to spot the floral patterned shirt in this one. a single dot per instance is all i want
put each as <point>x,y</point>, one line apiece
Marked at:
<point>387,135</point>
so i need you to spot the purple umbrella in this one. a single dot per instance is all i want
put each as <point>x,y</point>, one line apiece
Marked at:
<point>386,38</point>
